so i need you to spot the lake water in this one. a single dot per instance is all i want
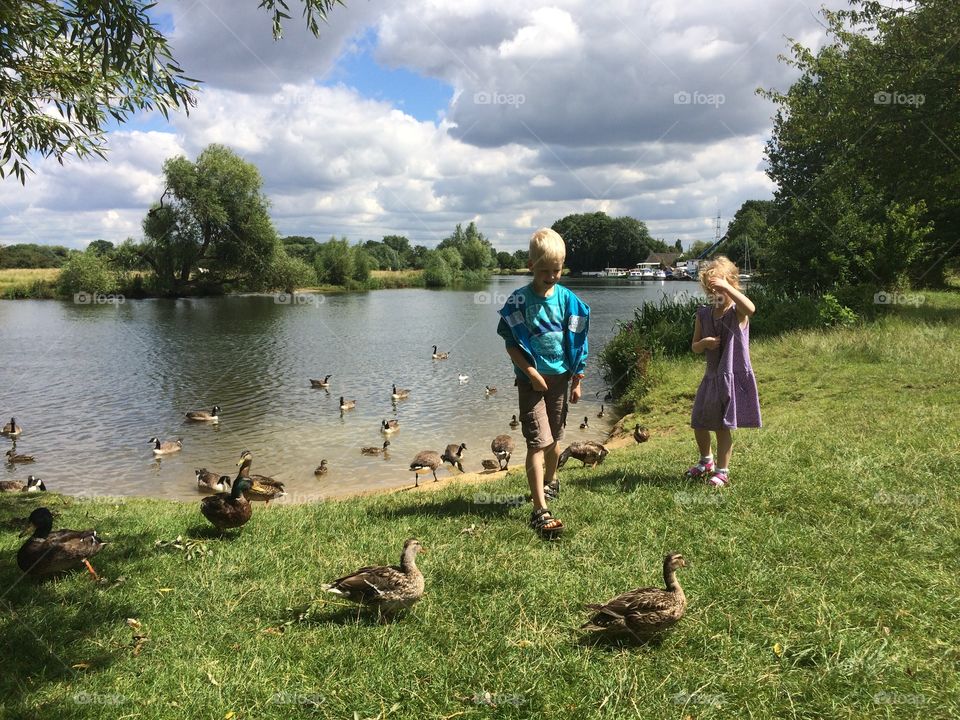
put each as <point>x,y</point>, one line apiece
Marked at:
<point>90,384</point>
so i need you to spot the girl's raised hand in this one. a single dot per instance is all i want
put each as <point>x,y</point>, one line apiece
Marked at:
<point>719,283</point>
<point>711,343</point>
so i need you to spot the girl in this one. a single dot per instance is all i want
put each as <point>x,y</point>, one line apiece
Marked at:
<point>727,396</point>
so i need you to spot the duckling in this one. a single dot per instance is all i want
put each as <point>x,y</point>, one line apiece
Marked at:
<point>201,416</point>
<point>321,468</point>
<point>514,424</point>
<point>262,488</point>
<point>376,450</point>
<point>33,484</point>
<point>487,390</point>
<point>14,457</point>
<point>211,482</point>
<point>389,589</point>
<point>399,394</point>
<point>388,427</point>
<point>51,551</point>
<point>601,413</point>
<point>490,464</point>
<point>641,613</point>
<point>586,452</point>
<point>425,460</point>
<point>641,434</point>
<point>229,510</point>
<point>347,404</point>
<point>11,429</point>
<point>454,454</point>
<point>585,424</point>
<point>325,383</point>
<point>502,446</point>
<point>439,355</point>
<point>167,447</point>
<point>463,378</point>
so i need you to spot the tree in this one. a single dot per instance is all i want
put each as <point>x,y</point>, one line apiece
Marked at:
<point>750,231</point>
<point>100,247</point>
<point>301,247</point>
<point>471,246</point>
<point>520,258</point>
<point>401,246</point>
<point>678,246</point>
<point>86,273</point>
<point>70,68</point>
<point>505,261</point>
<point>595,240</point>
<point>214,217</point>
<point>436,271</point>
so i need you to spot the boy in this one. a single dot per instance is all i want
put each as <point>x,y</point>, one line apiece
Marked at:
<point>544,326</point>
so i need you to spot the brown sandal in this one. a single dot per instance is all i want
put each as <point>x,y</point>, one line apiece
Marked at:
<point>546,524</point>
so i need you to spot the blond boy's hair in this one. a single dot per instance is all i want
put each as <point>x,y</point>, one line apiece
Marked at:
<point>720,266</point>
<point>546,245</point>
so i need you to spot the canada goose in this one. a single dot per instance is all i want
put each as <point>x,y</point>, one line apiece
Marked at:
<point>13,457</point>
<point>11,429</point>
<point>325,383</point>
<point>389,589</point>
<point>166,447</point>
<point>388,427</point>
<point>402,394</point>
<point>425,460</point>
<point>321,468</point>
<point>454,454</point>
<point>201,416</point>
<point>585,424</point>
<point>487,390</point>
<point>34,484</point>
<point>641,434</point>
<point>463,378</point>
<point>502,446</point>
<point>347,404</point>
<point>376,450</point>
<point>600,414</point>
<point>211,482</point>
<point>51,551</point>
<point>439,355</point>
<point>514,424</point>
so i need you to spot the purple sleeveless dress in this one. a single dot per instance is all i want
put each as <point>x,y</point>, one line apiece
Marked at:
<point>727,396</point>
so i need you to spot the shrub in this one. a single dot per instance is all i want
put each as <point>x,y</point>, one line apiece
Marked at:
<point>86,273</point>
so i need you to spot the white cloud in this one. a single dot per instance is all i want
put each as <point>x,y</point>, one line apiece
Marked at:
<point>551,32</point>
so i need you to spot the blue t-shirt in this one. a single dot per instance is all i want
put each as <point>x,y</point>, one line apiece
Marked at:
<point>543,317</point>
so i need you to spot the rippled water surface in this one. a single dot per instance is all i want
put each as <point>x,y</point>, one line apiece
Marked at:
<point>90,384</point>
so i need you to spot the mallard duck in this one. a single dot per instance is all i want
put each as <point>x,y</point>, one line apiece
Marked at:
<point>463,378</point>
<point>487,390</point>
<point>502,446</point>
<point>166,447</point>
<point>388,427</point>
<point>201,416</point>
<point>587,452</point>
<point>641,434</point>
<point>325,383</point>
<point>439,355</point>
<point>14,457</point>
<point>454,454</point>
<point>643,612</point>
<point>347,404</point>
<point>11,429</point>
<point>425,460</point>
<point>33,484</point>
<point>490,464</point>
<point>585,424</point>
<point>322,468</point>
<point>389,589</point>
<point>376,450</point>
<point>601,413</point>
<point>514,424</point>
<point>262,488</point>
<point>208,481</point>
<point>399,394</point>
<point>228,510</point>
<point>51,551</point>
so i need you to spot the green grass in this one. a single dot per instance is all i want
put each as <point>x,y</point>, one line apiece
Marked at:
<point>823,583</point>
<point>18,282</point>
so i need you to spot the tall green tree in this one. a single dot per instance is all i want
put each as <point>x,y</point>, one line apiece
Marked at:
<point>748,234</point>
<point>596,240</point>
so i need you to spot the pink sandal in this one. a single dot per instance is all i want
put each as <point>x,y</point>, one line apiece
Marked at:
<point>718,480</point>
<point>701,469</point>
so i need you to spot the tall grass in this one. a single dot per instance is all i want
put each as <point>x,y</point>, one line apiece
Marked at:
<point>19,283</point>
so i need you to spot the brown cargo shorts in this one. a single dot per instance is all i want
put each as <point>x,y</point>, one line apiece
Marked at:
<point>543,415</point>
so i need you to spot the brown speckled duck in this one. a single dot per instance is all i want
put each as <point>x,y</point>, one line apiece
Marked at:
<point>14,457</point>
<point>643,612</point>
<point>641,434</point>
<point>262,488</point>
<point>388,588</point>
<point>588,452</point>
<point>51,551</point>
<point>228,510</point>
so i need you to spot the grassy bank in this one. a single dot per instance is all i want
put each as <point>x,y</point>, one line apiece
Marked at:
<point>821,584</point>
<point>16,282</point>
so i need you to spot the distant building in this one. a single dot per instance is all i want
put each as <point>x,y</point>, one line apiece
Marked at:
<point>667,260</point>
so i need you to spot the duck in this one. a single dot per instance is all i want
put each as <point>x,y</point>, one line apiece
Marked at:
<point>201,416</point>
<point>490,464</point>
<point>463,378</point>
<point>347,404</point>
<point>11,429</point>
<point>208,481</point>
<point>588,452</point>
<point>399,394</point>
<point>641,434</point>
<point>454,454</point>
<point>166,447</point>
<point>502,446</point>
<point>601,413</point>
<point>262,488</point>
<point>14,457</point>
<point>585,424</point>
<point>388,427</point>
<point>33,484</point>
<point>51,551</point>
<point>642,612</point>
<point>440,355</point>
<point>514,424</point>
<point>322,468</point>
<point>228,510</point>
<point>425,460</point>
<point>376,450</point>
<point>488,390</point>
<point>325,383</point>
<point>387,588</point>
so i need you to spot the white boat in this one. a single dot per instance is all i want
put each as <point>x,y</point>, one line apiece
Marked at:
<point>645,271</point>
<point>615,272</point>
<point>660,274</point>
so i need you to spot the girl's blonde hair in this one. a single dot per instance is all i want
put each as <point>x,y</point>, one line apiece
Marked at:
<point>546,245</point>
<point>720,266</point>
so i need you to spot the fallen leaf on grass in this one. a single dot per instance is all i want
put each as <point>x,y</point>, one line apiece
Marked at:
<point>778,650</point>
<point>81,666</point>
